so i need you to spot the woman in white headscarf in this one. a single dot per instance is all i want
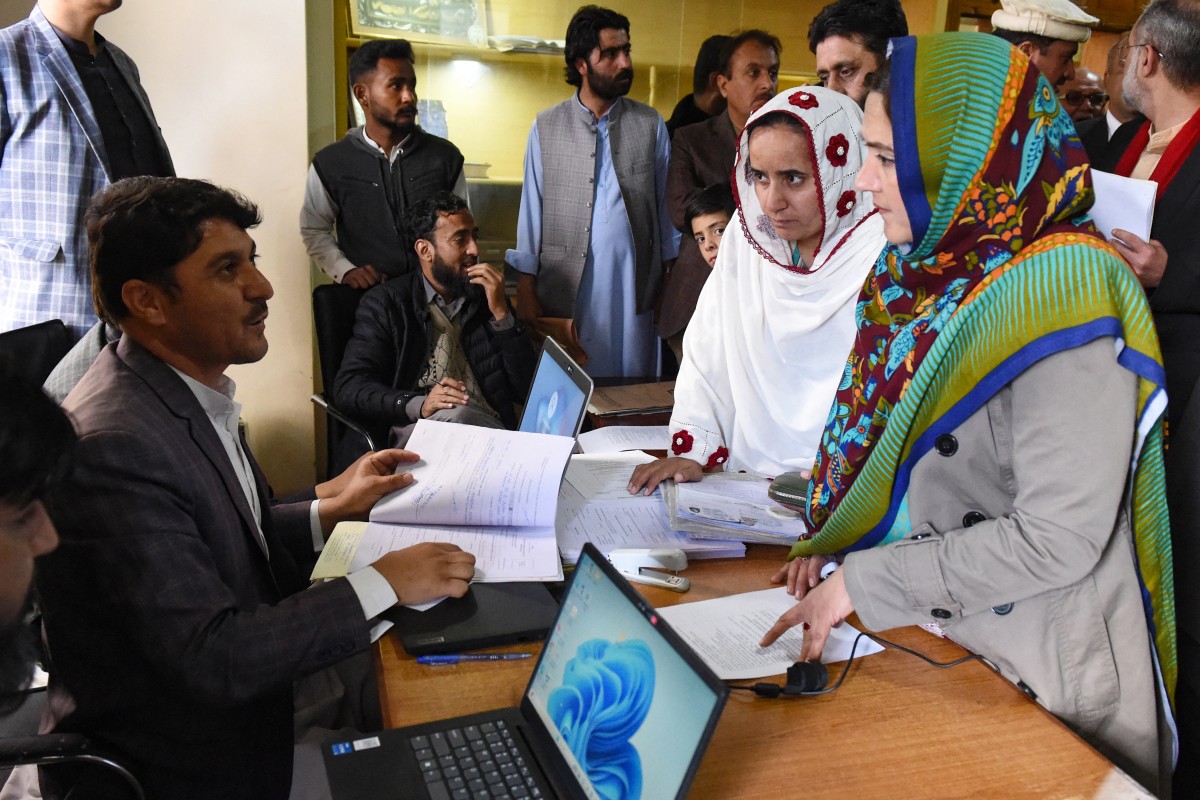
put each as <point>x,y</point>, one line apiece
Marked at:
<point>766,348</point>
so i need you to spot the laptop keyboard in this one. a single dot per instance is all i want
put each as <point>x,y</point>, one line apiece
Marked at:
<point>474,762</point>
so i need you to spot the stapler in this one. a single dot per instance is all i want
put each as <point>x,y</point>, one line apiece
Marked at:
<point>641,565</point>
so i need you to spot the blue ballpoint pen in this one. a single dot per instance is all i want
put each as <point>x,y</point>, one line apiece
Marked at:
<point>454,659</point>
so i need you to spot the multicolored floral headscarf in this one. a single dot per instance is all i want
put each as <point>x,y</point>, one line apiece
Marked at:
<point>1005,269</point>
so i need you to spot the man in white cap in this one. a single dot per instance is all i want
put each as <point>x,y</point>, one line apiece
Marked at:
<point>1048,31</point>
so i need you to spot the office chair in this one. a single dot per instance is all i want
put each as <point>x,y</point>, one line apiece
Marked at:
<point>37,349</point>
<point>64,748</point>
<point>334,306</point>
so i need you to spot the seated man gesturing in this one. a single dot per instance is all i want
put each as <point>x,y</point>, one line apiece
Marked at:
<point>441,343</point>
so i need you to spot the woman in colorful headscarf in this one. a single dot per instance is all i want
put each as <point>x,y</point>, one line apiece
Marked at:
<point>766,346</point>
<point>992,462</point>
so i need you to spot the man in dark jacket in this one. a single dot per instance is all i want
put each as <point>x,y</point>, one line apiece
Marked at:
<point>442,343</point>
<point>363,184</point>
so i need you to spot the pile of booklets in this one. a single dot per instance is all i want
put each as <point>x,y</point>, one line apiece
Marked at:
<point>731,506</point>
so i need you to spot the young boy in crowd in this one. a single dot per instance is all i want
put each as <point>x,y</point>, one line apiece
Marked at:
<point>708,216</point>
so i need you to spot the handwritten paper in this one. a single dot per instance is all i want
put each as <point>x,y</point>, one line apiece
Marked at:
<point>725,633</point>
<point>604,476</point>
<point>501,553</point>
<point>479,476</point>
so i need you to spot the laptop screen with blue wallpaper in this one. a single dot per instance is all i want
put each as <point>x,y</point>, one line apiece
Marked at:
<point>628,705</point>
<point>558,395</point>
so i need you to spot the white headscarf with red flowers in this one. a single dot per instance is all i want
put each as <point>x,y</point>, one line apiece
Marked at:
<point>764,352</point>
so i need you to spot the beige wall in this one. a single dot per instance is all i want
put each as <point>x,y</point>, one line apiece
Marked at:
<point>227,81</point>
<point>14,11</point>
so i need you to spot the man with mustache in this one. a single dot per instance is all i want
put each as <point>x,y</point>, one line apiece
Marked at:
<point>702,155</point>
<point>850,39</point>
<point>593,233</point>
<point>441,343</point>
<point>362,184</point>
<point>176,604</point>
<point>1047,31</point>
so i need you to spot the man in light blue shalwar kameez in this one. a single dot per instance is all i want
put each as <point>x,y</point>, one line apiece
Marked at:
<point>593,230</point>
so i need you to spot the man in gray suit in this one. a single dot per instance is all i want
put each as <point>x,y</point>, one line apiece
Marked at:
<point>593,235</point>
<point>175,606</point>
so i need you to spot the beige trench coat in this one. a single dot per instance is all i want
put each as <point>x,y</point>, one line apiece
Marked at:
<point>1020,548</point>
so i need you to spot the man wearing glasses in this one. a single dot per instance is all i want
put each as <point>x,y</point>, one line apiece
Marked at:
<point>1083,96</point>
<point>1096,133</point>
<point>1162,80</point>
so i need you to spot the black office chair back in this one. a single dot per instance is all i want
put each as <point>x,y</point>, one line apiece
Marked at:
<point>334,306</point>
<point>37,349</point>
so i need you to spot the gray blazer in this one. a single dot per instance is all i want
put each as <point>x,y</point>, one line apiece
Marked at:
<point>176,638</point>
<point>1021,550</point>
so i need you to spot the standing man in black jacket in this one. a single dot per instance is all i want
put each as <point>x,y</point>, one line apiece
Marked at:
<point>363,183</point>
<point>442,343</point>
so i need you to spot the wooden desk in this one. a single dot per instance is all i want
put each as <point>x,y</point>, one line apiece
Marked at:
<point>897,727</point>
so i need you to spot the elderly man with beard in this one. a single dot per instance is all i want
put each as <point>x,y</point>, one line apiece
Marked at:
<point>593,233</point>
<point>36,441</point>
<point>441,343</point>
<point>1161,63</point>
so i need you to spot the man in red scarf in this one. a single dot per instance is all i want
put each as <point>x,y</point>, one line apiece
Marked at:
<point>1162,81</point>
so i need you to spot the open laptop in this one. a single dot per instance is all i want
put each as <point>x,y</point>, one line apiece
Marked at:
<point>558,396</point>
<point>573,735</point>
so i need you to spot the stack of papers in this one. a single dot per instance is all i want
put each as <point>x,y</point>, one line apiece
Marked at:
<point>595,506</point>
<point>731,506</point>
<point>615,438</point>
<point>635,522</point>
<point>492,492</point>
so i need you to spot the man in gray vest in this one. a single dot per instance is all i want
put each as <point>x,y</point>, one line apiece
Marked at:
<point>363,183</point>
<point>593,231</point>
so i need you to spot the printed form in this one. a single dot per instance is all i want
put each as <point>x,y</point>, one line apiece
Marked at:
<point>725,633</point>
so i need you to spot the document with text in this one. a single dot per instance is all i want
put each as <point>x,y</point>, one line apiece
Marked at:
<point>637,522</point>
<point>725,633</point>
<point>615,438</point>
<point>501,553</point>
<point>605,476</point>
<point>479,476</point>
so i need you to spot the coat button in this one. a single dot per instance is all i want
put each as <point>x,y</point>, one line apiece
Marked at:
<point>941,613</point>
<point>1001,610</point>
<point>973,518</point>
<point>920,536</point>
<point>946,445</point>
